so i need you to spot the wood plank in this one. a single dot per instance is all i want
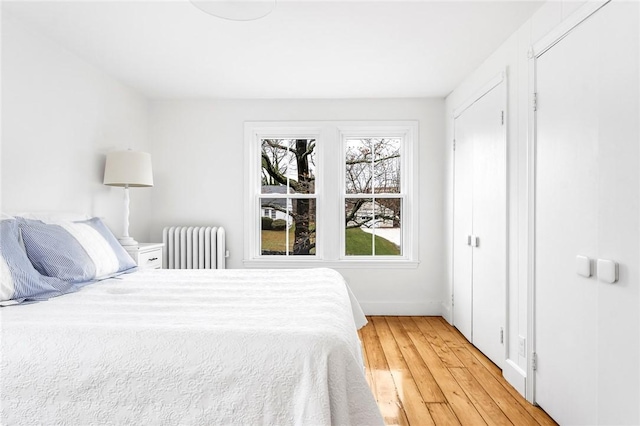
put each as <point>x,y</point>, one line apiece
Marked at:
<point>483,359</point>
<point>452,337</point>
<point>384,388</point>
<point>483,402</point>
<point>437,343</point>
<point>367,368</point>
<point>415,408</point>
<point>425,381</point>
<point>540,416</point>
<point>442,414</point>
<point>507,403</point>
<point>460,404</point>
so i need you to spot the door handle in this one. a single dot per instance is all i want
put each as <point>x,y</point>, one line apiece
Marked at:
<point>607,271</point>
<point>473,241</point>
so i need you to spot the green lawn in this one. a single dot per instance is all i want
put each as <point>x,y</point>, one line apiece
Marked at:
<point>359,243</point>
<point>275,241</point>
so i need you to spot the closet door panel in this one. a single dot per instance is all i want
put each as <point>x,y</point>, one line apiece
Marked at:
<point>489,224</point>
<point>462,221</point>
<point>588,197</point>
<point>618,195</point>
<point>566,226</point>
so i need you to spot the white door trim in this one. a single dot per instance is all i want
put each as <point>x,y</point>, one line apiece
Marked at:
<point>486,88</point>
<point>564,28</point>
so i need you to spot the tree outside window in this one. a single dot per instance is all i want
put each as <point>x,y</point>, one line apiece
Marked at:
<point>288,189</point>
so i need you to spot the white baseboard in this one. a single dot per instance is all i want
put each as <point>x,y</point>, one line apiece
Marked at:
<point>516,376</point>
<point>446,312</point>
<point>430,308</point>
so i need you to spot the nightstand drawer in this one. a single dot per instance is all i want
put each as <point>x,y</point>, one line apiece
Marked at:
<point>147,255</point>
<point>151,259</point>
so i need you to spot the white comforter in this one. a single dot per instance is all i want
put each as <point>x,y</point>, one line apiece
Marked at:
<point>188,347</point>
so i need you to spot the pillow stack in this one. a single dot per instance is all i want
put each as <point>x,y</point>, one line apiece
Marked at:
<point>57,258</point>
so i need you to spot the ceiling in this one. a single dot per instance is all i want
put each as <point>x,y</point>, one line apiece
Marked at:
<point>319,49</point>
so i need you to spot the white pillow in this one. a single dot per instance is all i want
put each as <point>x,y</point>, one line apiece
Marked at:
<point>74,251</point>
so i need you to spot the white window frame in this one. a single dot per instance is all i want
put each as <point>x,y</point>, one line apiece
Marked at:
<point>330,193</point>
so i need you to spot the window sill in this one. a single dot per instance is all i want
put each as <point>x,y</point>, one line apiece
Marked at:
<point>334,264</point>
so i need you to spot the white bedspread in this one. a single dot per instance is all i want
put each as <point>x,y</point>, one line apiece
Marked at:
<point>172,347</point>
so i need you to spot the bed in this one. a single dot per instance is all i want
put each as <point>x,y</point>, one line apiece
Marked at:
<point>189,347</point>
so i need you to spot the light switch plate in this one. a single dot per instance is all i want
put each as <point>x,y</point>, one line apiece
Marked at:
<point>522,346</point>
<point>607,271</point>
<point>583,266</point>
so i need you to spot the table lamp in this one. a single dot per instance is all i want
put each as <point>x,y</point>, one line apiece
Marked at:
<point>128,169</point>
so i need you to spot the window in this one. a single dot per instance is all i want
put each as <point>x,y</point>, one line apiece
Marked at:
<point>373,200</point>
<point>331,193</point>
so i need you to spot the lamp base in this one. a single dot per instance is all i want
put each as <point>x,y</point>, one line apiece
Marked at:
<point>127,241</point>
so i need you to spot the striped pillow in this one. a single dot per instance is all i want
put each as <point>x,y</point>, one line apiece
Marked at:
<point>19,281</point>
<point>74,251</point>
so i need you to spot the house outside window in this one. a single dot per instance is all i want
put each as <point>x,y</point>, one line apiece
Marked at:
<point>331,194</point>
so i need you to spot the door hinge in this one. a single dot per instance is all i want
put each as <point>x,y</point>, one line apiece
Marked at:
<point>501,335</point>
<point>452,300</point>
<point>535,101</point>
<point>454,144</point>
<point>534,361</point>
<point>502,117</point>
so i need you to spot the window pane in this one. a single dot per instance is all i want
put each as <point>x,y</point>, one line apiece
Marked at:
<point>273,236</point>
<point>288,228</point>
<point>358,171</point>
<point>358,216</point>
<point>372,227</point>
<point>288,166</point>
<point>303,229</point>
<point>275,165</point>
<point>387,165</point>
<point>387,228</point>
<point>302,172</point>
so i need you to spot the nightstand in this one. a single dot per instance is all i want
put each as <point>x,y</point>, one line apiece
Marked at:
<point>147,255</point>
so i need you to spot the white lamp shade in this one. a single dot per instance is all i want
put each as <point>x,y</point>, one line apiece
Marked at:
<point>128,168</point>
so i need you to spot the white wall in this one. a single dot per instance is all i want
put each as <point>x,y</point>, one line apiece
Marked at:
<point>197,147</point>
<point>60,116</point>
<point>512,56</point>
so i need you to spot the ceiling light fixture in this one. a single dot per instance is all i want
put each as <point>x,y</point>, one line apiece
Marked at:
<point>236,10</point>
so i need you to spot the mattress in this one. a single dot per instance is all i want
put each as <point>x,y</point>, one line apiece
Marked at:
<point>189,347</point>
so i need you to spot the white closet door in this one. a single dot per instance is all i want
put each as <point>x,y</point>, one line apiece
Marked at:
<point>587,204</point>
<point>566,226</point>
<point>489,225</point>
<point>479,272</point>
<point>618,195</point>
<point>462,226</point>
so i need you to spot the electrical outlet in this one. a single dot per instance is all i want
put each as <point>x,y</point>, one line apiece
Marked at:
<point>522,346</point>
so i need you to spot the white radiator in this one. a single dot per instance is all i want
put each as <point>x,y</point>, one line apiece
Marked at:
<point>194,247</point>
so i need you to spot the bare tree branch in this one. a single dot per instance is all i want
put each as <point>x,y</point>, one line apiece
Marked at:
<point>365,160</point>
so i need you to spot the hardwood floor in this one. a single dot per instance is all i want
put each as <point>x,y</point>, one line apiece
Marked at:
<point>422,371</point>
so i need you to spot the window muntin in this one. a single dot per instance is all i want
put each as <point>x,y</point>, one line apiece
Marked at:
<point>287,180</point>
